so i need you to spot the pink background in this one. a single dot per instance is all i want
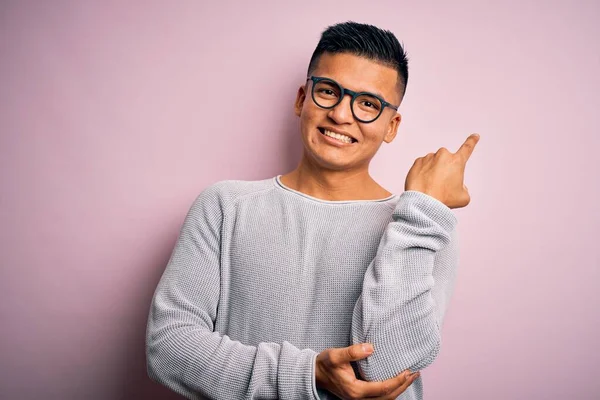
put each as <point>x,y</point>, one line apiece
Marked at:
<point>114,116</point>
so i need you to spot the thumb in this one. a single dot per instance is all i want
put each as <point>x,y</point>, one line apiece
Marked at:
<point>357,352</point>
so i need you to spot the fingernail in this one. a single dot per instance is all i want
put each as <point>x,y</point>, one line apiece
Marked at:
<point>367,348</point>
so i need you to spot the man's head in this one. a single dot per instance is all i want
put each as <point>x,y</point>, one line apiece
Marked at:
<point>357,72</point>
<point>366,41</point>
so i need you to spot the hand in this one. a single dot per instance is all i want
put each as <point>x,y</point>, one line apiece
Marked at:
<point>441,175</point>
<point>334,373</point>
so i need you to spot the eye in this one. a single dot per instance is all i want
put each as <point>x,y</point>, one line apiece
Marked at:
<point>369,104</point>
<point>327,92</point>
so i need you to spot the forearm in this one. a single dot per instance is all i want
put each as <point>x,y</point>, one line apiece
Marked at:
<point>184,355</point>
<point>398,310</point>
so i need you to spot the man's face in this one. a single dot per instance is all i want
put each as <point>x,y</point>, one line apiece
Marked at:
<point>358,74</point>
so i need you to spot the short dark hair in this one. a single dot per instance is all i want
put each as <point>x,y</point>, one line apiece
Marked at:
<point>367,41</point>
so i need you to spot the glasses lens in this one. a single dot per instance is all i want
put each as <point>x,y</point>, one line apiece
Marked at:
<point>367,108</point>
<point>326,93</point>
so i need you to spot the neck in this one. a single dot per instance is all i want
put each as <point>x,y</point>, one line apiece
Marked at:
<point>328,184</point>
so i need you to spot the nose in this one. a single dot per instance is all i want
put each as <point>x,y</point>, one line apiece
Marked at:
<point>342,113</point>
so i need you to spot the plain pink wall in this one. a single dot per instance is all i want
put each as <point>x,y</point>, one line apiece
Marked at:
<point>115,115</point>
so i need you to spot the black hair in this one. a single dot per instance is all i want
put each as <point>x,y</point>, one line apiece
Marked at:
<point>367,41</point>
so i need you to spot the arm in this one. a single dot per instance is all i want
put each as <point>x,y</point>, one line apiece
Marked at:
<point>184,352</point>
<point>407,287</point>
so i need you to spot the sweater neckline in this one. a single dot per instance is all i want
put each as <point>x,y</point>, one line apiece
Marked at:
<point>279,184</point>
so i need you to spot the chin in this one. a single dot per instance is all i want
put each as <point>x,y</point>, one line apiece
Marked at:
<point>327,160</point>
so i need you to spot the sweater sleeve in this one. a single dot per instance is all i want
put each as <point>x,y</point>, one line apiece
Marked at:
<point>407,287</point>
<point>184,352</point>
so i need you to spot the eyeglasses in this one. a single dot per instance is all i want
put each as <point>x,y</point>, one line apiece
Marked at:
<point>366,107</point>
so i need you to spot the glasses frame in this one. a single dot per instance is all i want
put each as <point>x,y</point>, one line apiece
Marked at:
<point>351,93</point>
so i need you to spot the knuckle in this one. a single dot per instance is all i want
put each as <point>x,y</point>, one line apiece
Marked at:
<point>406,384</point>
<point>457,159</point>
<point>386,389</point>
<point>351,352</point>
<point>331,358</point>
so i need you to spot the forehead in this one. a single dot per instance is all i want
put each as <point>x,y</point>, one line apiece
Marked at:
<point>359,74</point>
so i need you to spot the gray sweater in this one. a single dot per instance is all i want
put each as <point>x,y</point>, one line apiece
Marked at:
<point>263,277</point>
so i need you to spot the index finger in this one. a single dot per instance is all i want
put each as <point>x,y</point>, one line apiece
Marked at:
<point>380,388</point>
<point>468,146</point>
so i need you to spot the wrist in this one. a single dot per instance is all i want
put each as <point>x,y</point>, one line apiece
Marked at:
<point>427,191</point>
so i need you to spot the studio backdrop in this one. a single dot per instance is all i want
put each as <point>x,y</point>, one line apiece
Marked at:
<point>115,115</point>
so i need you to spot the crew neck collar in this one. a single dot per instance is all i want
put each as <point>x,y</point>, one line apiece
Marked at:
<point>279,184</point>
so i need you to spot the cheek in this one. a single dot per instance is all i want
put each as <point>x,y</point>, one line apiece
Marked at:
<point>379,129</point>
<point>310,115</point>
<point>372,134</point>
<point>307,121</point>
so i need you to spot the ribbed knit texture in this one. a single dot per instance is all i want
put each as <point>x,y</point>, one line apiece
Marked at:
<point>262,278</point>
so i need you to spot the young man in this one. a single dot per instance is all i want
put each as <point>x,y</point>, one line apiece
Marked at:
<point>317,284</point>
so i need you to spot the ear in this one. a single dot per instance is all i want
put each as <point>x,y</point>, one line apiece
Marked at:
<point>300,97</point>
<point>392,128</point>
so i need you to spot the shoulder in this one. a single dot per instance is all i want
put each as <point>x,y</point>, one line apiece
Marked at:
<point>226,193</point>
<point>213,202</point>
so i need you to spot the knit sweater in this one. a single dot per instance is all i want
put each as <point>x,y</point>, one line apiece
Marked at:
<point>263,278</point>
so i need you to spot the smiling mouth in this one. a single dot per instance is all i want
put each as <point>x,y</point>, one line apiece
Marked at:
<point>338,136</point>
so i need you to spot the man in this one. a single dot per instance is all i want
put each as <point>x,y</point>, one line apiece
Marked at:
<point>317,284</point>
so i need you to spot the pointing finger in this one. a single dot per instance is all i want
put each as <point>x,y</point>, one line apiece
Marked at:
<point>468,146</point>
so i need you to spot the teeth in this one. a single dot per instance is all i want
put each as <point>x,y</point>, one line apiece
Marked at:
<point>343,138</point>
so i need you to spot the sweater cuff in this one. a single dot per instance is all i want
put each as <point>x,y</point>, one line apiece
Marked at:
<point>414,206</point>
<point>314,377</point>
<point>297,373</point>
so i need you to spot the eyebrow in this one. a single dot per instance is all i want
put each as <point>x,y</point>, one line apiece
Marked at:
<point>368,91</point>
<point>357,91</point>
<point>376,93</point>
